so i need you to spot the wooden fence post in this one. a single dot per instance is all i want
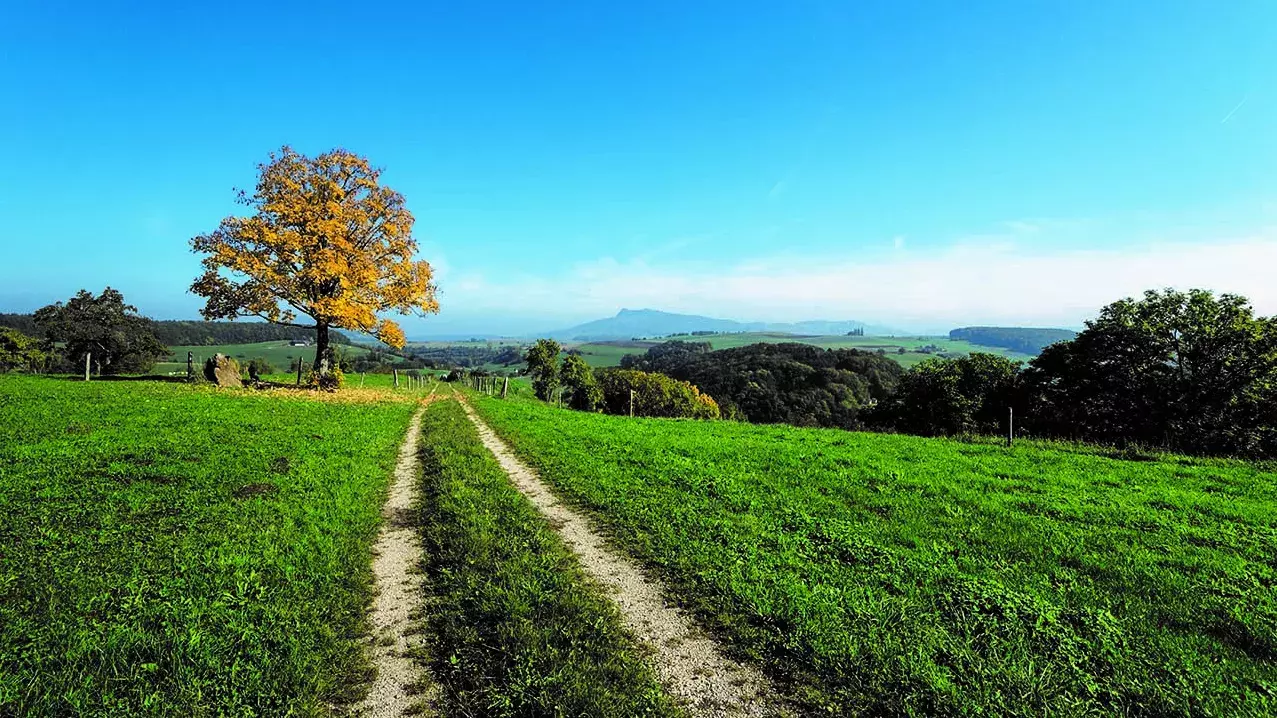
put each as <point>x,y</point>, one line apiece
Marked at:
<point>631,403</point>
<point>396,373</point>
<point>1010,425</point>
<point>299,371</point>
<point>86,365</point>
<point>505,387</point>
<point>190,366</point>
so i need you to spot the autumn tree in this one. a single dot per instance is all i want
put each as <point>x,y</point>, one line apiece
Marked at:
<point>326,241</point>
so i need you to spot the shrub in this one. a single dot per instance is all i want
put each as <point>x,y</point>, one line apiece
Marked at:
<point>20,352</point>
<point>259,366</point>
<point>331,381</point>
<point>654,395</point>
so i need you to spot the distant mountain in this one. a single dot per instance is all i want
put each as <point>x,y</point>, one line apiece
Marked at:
<point>825,328</point>
<point>630,323</point>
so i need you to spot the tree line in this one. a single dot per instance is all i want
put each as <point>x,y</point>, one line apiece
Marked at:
<point>1026,340</point>
<point>1184,371</point>
<point>118,340</point>
<point>204,333</point>
<point>178,332</point>
<point>797,384</point>
<point>1192,372</point>
<point>447,357</point>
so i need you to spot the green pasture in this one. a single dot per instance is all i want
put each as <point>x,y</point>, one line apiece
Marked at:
<point>893,575</point>
<point>168,549</point>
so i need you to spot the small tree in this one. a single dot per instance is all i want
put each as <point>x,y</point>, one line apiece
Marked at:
<point>583,389</point>
<point>543,367</point>
<point>259,366</point>
<point>119,340</point>
<point>326,240</point>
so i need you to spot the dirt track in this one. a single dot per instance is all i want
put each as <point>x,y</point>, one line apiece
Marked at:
<point>397,576</point>
<point>687,661</point>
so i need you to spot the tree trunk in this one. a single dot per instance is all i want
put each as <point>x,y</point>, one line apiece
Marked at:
<point>323,358</point>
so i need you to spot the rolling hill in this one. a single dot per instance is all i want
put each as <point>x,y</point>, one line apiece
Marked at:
<point>630,323</point>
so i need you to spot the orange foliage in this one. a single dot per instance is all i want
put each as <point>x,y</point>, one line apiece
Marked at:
<point>326,241</point>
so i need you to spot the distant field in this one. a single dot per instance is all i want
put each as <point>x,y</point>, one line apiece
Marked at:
<point>894,575</point>
<point>494,343</point>
<point>278,353</point>
<point>596,354</point>
<point>176,550</point>
<point>610,353</point>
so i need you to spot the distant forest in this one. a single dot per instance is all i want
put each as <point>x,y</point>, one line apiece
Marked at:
<point>797,384</point>
<point>1025,340</point>
<point>199,333</point>
<point>466,356</point>
<point>1189,372</point>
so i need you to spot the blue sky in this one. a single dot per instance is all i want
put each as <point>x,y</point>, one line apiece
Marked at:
<point>923,165</point>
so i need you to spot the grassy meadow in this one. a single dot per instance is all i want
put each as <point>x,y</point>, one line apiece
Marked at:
<point>515,628</point>
<point>895,575</point>
<point>178,550</point>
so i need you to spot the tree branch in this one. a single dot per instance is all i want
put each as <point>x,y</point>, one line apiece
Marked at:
<point>259,315</point>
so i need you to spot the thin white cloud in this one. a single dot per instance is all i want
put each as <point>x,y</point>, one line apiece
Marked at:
<point>1233,111</point>
<point>991,281</point>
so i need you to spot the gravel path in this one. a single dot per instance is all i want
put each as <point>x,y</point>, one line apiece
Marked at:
<point>687,661</point>
<point>398,587</point>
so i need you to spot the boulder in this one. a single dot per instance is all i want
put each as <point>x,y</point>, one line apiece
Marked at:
<point>222,371</point>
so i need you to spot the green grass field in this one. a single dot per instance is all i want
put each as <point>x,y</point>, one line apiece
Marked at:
<point>176,550</point>
<point>894,575</point>
<point>479,343</point>
<point>515,627</point>
<point>610,353</point>
<point>278,353</point>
